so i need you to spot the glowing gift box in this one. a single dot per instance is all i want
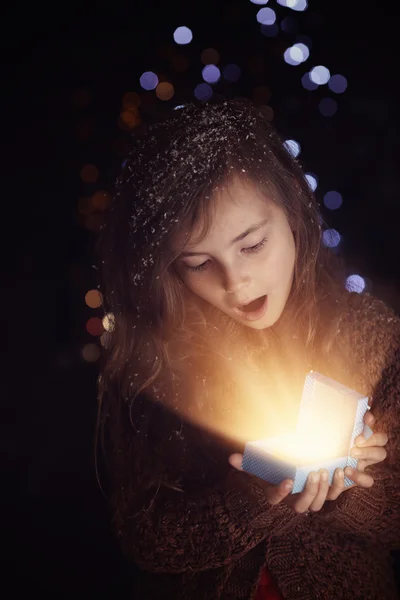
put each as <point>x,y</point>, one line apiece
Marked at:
<point>331,416</point>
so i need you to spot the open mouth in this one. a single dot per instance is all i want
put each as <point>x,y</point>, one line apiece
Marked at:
<point>254,305</point>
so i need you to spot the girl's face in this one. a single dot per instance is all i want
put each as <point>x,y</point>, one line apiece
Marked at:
<point>247,257</point>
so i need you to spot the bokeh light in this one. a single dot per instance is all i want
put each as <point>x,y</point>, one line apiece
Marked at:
<point>91,352</point>
<point>270,30</point>
<point>355,283</point>
<point>289,25</point>
<point>210,56</point>
<point>109,322</point>
<point>327,107</point>
<point>130,100</point>
<point>337,84</point>
<point>320,75</point>
<point>312,181</point>
<point>89,174</point>
<point>165,90</point>
<point>130,117</point>
<point>305,52</point>
<point>94,298</point>
<point>333,200</point>
<point>149,80</point>
<point>211,74</point>
<point>259,1</point>
<point>292,147</point>
<point>296,54</point>
<point>298,5</point>
<point>307,83</point>
<point>101,200</point>
<point>183,35</point>
<point>231,72</point>
<point>266,16</point>
<point>94,222</point>
<point>331,238</point>
<point>94,326</point>
<point>203,91</point>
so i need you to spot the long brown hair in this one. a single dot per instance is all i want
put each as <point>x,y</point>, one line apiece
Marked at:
<point>168,182</point>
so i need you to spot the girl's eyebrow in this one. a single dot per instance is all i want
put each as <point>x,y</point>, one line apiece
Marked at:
<point>238,238</point>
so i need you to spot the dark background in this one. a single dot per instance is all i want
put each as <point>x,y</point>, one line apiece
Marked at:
<point>65,70</point>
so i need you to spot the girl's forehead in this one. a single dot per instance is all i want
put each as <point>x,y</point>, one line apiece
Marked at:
<point>232,208</point>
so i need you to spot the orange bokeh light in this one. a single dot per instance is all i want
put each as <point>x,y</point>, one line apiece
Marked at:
<point>94,299</point>
<point>165,90</point>
<point>89,174</point>
<point>130,100</point>
<point>100,200</point>
<point>210,56</point>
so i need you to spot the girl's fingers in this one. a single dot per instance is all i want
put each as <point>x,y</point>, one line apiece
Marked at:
<point>306,498</point>
<point>360,479</point>
<point>320,498</point>
<point>236,461</point>
<point>337,486</point>
<point>375,454</point>
<point>376,439</point>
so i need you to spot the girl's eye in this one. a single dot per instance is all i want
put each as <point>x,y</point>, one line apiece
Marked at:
<point>199,267</point>
<point>255,248</point>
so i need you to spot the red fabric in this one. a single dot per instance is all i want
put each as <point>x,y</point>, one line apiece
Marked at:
<point>267,589</point>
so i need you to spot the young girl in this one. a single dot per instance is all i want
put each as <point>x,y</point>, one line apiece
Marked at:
<point>223,298</point>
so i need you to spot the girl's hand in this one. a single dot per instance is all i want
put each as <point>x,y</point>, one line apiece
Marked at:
<point>317,489</point>
<point>313,496</point>
<point>368,452</point>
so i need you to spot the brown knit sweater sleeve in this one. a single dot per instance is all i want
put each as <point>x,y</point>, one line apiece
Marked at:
<point>372,331</point>
<point>180,531</point>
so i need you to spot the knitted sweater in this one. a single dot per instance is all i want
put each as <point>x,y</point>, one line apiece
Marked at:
<point>213,541</point>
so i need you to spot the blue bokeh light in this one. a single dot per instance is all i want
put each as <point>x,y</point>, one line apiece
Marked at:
<point>333,200</point>
<point>327,107</point>
<point>307,83</point>
<point>232,72</point>
<point>331,238</point>
<point>149,80</point>
<point>266,16</point>
<point>355,283</point>
<point>320,75</point>
<point>337,84</point>
<point>203,92</point>
<point>211,74</point>
<point>293,147</point>
<point>312,181</point>
<point>183,35</point>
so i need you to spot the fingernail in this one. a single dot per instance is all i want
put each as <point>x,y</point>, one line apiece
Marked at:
<point>288,486</point>
<point>349,471</point>
<point>324,476</point>
<point>340,473</point>
<point>314,477</point>
<point>355,452</point>
<point>361,441</point>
